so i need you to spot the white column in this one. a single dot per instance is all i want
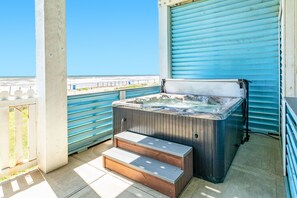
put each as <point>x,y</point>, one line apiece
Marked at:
<point>289,38</point>
<point>51,72</point>
<point>295,51</point>
<point>164,41</point>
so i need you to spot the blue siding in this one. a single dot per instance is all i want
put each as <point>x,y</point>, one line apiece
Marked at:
<point>231,39</point>
<point>291,150</point>
<point>280,75</point>
<point>132,93</point>
<point>89,119</point>
<point>90,116</point>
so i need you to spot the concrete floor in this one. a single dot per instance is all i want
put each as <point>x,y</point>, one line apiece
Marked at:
<point>255,172</point>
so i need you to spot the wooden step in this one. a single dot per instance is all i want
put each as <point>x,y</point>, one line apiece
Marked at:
<point>155,174</point>
<point>148,165</point>
<point>172,153</point>
<point>164,146</point>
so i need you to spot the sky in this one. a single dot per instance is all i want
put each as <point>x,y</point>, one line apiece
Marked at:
<point>103,38</point>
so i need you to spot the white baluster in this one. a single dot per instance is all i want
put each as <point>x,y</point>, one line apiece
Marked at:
<point>18,134</point>
<point>4,140</point>
<point>18,94</point>
<point>30,93</point>
<point>32,132</point>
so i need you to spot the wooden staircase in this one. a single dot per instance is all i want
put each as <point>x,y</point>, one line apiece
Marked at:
<point>161,165</point>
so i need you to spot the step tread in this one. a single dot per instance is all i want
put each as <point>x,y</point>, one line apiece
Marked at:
<point>155,143</point>
<point>148,165</point>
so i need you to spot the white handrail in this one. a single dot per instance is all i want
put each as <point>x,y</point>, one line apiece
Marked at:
<point>19,98</point>
<point>17,102</point>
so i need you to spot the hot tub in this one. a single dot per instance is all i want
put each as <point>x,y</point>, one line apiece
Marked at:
<point>212,125</point>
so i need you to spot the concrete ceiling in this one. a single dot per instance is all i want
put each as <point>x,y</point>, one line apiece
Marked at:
<point>173,2</point>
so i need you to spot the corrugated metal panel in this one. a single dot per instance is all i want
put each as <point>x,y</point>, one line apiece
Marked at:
<point>132,93</point>
<point>89,119</point>
<point>90,116</point>
<point>231,39</point>
<point>291,150</point>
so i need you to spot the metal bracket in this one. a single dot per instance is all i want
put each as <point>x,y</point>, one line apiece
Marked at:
<point>163,85</point>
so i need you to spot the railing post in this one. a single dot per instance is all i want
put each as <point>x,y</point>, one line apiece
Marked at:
<point>32,131</point>
<point>18,134</point>
<point>122,95</point>
<point>4,140</point>
<point>283,127</point>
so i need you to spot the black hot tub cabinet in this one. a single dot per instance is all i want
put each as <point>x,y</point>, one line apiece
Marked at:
<point>213,126</point>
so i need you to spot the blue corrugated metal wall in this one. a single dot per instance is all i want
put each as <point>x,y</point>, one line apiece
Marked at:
<point>90,116</point>
<point>89,119</point>
<point>132,93</point>
<point>231,39</point>
<point>291,150</point>
<point>280,76</point>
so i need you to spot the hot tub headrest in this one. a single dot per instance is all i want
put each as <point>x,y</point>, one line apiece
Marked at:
<point>210,87</point>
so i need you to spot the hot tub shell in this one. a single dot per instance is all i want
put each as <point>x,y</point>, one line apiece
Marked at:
<point>215,139</point>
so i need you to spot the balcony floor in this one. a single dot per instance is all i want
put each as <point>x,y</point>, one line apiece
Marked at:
<point>255,172</point>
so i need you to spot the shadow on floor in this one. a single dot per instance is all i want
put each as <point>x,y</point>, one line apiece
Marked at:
<point>60,183</point>
<point>84,176</point>
<point>21,183</point>
<point>255,172</point>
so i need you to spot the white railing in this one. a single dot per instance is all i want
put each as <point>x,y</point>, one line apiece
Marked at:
<point>17,131</point>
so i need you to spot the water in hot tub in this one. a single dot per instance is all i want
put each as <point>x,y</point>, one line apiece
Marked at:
<point>185,103</point>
